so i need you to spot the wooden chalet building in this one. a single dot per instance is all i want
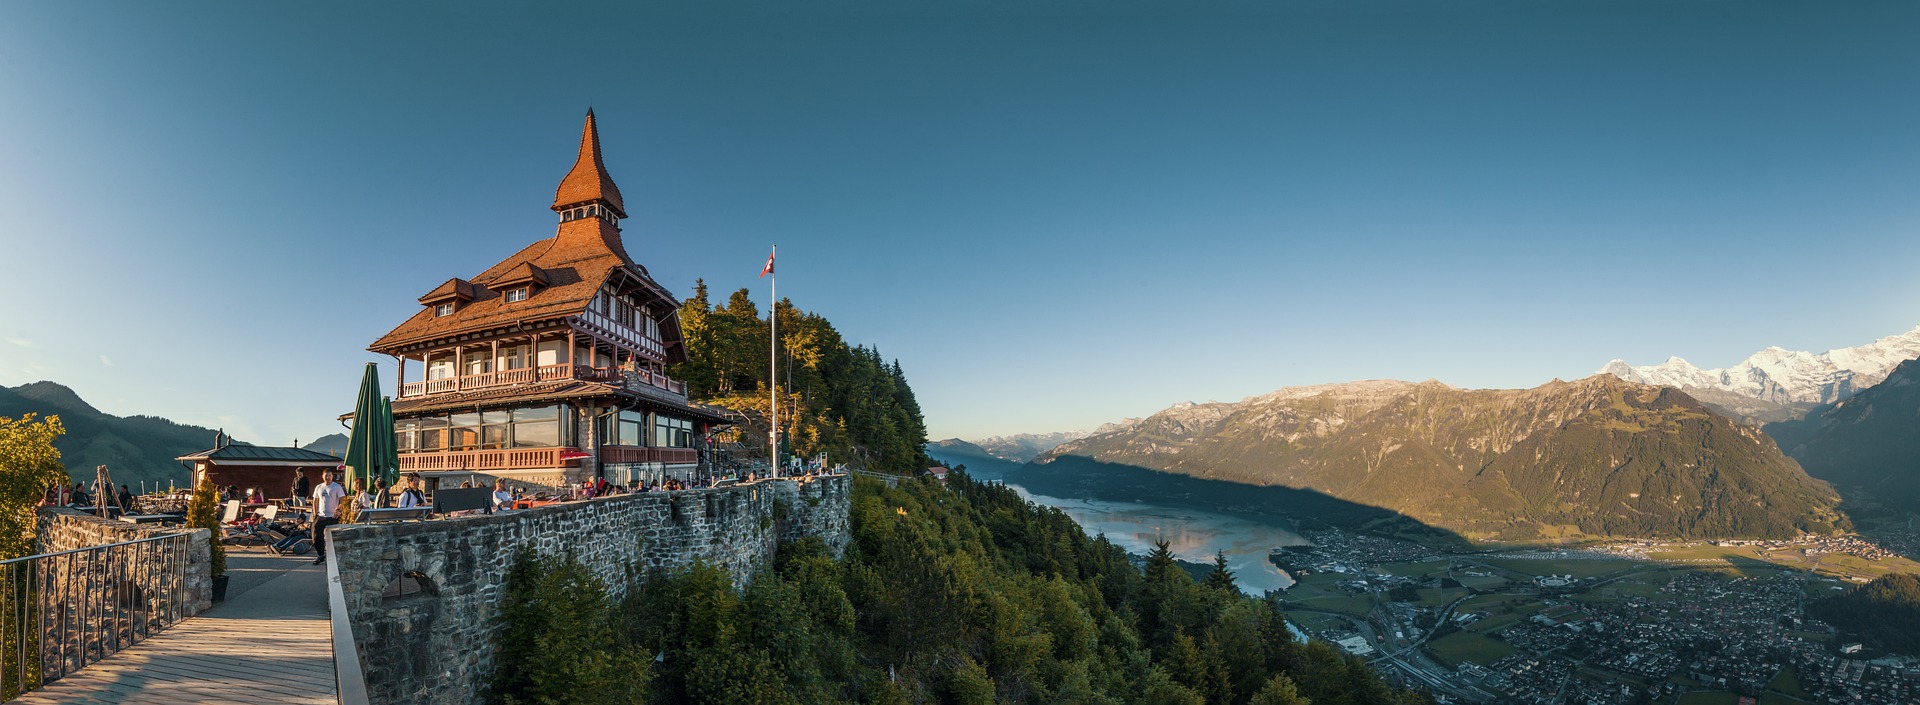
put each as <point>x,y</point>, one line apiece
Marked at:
<point>549,367</point>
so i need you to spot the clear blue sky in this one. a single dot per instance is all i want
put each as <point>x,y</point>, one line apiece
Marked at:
<point>1054,214</point>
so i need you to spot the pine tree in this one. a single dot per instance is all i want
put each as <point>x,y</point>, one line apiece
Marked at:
<point>1221,579</point>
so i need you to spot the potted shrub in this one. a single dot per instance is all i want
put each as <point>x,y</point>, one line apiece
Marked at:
<point>203,512</point>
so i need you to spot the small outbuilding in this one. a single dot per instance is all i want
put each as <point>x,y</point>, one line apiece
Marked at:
<point>268,469</point>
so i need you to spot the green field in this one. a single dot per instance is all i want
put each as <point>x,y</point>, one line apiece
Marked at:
<point>1357,606</point>
<point>1750,562</point>
<point>1317,621</point>
<point>1436,566</point>
<point>1435,597</point>
<point>1479,583</point>
<point>1459,647</point>
<point>1576,567</point>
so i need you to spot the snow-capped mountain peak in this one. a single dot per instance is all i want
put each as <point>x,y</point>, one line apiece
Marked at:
<point>1783,376</point>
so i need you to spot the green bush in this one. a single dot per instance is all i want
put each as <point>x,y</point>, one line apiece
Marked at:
<point>203,512</point>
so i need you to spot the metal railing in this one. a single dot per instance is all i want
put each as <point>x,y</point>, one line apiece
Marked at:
<point>61,611</point>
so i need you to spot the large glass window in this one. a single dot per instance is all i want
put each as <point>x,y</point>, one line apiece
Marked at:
<point>464,431</point>
<point>630,429</point>
<point>433,433</point>
<point>539,427</point>
<point>670,432</point>
<point>406,434</point>
<point>536,427</point>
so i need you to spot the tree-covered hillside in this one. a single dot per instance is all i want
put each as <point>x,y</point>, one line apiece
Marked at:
<point>134,448</point>
<point>845,401</point>
<point>1884,613</point>
<point>1591,458</point>
<point>1867,446</point>
<point>954,593</point>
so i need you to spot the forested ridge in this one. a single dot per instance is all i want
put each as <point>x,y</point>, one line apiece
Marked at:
<point>1884,613</point>
<point>954,593</point>
<point>846,401</point>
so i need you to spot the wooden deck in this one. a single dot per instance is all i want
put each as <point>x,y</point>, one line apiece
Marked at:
<point>268,645</point>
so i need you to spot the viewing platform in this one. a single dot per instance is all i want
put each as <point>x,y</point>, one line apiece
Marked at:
<point>269,643</point>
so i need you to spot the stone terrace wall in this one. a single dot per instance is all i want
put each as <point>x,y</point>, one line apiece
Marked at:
<point>61,529</point>
<point>817,508</point>
<point>435,645</point>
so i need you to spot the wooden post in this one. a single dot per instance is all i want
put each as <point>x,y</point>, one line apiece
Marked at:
<point>400,381</point>
<point>459,366</point>
<point>573,351</point>
<point>494,364</point>
<point>102,489</point>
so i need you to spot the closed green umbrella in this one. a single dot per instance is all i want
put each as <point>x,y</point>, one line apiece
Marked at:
<point>390,467</point>
<point>370,451</point>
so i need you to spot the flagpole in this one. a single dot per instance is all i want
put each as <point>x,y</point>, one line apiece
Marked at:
<point>773,362</point>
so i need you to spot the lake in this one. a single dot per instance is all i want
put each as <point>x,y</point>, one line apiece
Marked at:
<point>1193,535</point>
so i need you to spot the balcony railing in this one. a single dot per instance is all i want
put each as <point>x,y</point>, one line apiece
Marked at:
<point>659,381</point>
<point>637,454</point>
<point>62,611</point>
<point>505,378</point>
<point>510,459</point>
<point>605,325</point>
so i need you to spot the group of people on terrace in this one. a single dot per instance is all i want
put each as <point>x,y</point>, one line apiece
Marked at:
<point>78,496</point>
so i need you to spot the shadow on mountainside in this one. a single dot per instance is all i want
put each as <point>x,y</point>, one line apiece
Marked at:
<point>1081,477</point>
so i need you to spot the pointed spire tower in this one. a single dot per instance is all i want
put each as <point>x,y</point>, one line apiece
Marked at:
<point>587,200</point>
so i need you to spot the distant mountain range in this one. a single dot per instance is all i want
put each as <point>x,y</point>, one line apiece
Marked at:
<point>1868,446</point>
<point>1018,448</point>
<point>334,444</point>
<point>1777,384</point>
<point>134,448</point>
<point>1592,458</point>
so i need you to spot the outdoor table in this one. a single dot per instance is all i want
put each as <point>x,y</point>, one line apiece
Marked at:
<point>148,518</point>
<point>375,516</point>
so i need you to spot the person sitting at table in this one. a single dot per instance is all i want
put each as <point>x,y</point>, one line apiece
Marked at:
<point>412,496</point>
<point>79,495</point>
<point>502,497</point>
<point>126,498</point>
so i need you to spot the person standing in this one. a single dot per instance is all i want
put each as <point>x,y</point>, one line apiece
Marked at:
<point>412,497</point>
<point>326,512</point>
<point>126,499</point>
<point>301,488</point>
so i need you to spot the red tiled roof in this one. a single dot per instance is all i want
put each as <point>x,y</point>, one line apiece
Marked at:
<point>522,274</point>
<point>571,267</point>
<point>576,263</point>
<point>455,288</point>
<point>588,181</point>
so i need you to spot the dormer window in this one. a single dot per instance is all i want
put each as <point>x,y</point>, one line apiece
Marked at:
<point>516,295</point>
<point>442,310</point>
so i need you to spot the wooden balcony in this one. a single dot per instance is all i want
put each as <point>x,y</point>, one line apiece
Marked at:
<point>604,325</point>
<point>512,459</point>
<point>637,454</point>
<point>505,378</point>
<point>660,382</point>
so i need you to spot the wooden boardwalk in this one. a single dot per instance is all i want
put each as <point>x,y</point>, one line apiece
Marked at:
<point>268,645</point>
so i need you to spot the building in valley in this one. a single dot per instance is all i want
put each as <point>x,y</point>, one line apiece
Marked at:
<point>549,367</point>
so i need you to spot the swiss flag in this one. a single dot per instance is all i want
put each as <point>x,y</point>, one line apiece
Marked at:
<point>764,271</point>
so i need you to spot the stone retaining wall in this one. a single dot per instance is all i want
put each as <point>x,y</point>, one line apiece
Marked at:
<point>430,639</point>
<point>61,529</point>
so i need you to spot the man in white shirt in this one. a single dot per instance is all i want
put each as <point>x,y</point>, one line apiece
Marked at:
<point>502,497</point>
<point>326,512</point>
<point>412,496</point>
